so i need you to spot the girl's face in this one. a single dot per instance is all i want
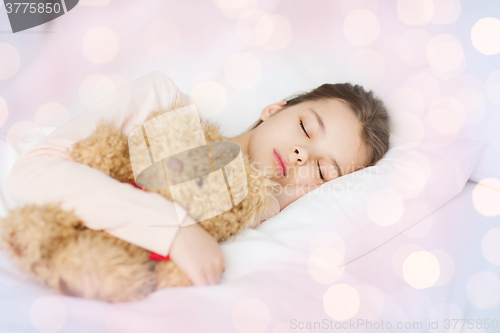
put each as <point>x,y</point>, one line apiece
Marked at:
<point>317,140</point>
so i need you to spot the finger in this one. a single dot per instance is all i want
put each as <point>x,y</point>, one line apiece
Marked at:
<point>217,276</point>
<point>219,273</point>
<point>216,273</point>
<point>211,279</point>
<point>200,279</point>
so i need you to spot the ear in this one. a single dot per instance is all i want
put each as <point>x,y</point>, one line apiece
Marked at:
<point>271,109</point>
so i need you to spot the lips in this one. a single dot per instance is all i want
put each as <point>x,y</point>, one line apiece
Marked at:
<point>281,162</point>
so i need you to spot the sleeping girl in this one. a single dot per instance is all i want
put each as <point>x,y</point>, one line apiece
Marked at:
<point>300,143</point>
<point>317,136</point>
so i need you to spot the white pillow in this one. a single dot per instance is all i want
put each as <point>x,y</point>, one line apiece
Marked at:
<point>360,211</point>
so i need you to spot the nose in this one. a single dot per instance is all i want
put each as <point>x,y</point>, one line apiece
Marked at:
<point>300,155</point>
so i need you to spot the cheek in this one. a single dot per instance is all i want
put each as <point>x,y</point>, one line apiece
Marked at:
<point>304,176</point>
<point>257,155</point>
<point>360,161</point>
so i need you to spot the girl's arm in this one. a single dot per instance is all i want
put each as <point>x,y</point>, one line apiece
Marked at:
<point>46,173</point>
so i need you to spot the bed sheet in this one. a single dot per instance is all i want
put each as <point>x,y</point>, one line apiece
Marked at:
<point>269,287</point>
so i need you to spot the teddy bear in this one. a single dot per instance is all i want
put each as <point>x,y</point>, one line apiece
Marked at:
<point>55,247</point>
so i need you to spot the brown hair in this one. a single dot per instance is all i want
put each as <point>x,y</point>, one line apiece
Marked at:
<point>370,111</point>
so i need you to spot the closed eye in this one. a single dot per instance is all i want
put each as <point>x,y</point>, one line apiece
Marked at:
<point>319,168</point>
<point>302,125</point>
<point>320,174</point>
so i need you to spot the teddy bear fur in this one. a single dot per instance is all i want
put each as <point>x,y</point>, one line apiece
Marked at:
<point>55,246</point>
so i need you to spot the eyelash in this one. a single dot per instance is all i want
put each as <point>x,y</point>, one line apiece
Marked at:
<point>303,129</point>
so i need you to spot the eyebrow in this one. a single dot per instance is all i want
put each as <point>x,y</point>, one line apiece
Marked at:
<point>323,130</point>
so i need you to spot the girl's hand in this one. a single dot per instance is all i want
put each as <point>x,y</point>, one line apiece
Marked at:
<point>197,254</point>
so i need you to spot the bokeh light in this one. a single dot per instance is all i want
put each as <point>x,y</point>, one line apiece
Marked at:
<point>406,128</point>
<point>22,134</point>
<point>446,11</point>
<point>235,8</point>
<point>446,266</point>
<point>483,290</point>
<point>406,99</point>
<point>47,314</point>
<point>486,197</point>
<point>490,245</point>
<point>4,111</point>
<point>443,121</point>
<point>10,61</point>
<point>119,82</point>
<point>485,35</point>
<point>246,27</point>
<point>441,127</point>
<point>371,302</point>
<point>95,88</point>
<point>385,207</point>
<point>242,70</point>
<point>415,12</point>
<point>413,46</point>
<point>348,6</point>
<point>421,270</point>
<point>326,257</point>
<point>426,85</point>
<point>453,106</point>
<point>473,102</point>
<point>51,115</point>
<point>361,27</point>
<point>446,116</point>
<point>401,254</point>
<point>250,315</point>
<point>324,240</point>
<point>100,45</point>
<point>271,31</point>
<point>341,301</point>
<point>326,265</point>
<point>445,53</point>
<point>161,38</point>
<point>210,98</point>
<point>411,172</point>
